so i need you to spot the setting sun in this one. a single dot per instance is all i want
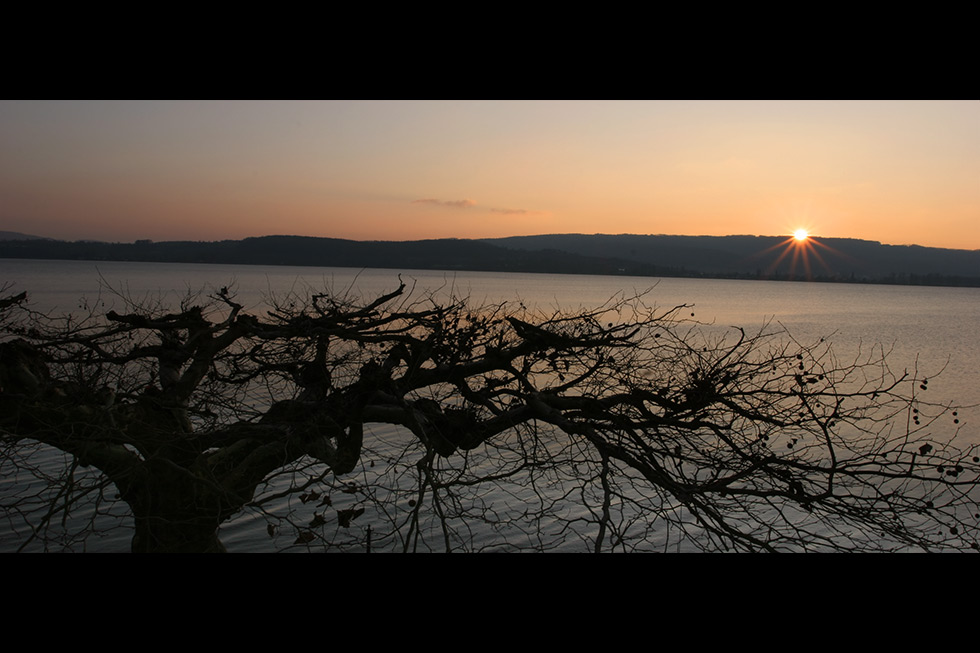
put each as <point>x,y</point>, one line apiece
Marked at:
<point>801,235</point>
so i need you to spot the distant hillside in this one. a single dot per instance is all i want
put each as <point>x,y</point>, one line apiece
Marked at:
<point>15,235</point>
<point>772,257</point>
<point>446,254</point>
<point>742,257</point>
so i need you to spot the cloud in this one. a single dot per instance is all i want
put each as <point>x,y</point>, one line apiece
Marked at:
<point>465,204</point>
<point>518,212</point>
<point>453,204</point>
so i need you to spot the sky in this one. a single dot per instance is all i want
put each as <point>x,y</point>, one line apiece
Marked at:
<point>897,172</point>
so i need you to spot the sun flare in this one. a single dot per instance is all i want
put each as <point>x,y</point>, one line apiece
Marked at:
<point>800,235</point>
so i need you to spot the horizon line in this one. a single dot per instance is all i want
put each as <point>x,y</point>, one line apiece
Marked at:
<point>486,238</point>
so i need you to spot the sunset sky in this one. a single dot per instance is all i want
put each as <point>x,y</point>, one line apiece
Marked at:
<point>892,171</point>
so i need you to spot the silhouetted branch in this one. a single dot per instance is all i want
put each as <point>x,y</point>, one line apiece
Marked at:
<point>660,429</point>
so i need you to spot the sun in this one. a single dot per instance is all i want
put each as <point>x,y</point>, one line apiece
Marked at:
<point>799,249</point>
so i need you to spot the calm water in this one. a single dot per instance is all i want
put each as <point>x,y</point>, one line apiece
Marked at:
<point>933,328</point>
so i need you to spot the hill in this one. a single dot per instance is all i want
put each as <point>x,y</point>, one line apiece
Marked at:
<point>445,254</point>
<point>743,257</point>
<point>16,235</point>
<point>772,257</point>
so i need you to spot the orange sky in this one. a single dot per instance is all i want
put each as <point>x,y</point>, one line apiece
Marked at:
<point>895,172</point>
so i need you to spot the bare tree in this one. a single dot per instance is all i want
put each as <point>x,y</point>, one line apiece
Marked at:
<point>624,427</point>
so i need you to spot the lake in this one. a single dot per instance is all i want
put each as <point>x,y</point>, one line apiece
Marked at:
<point>929,328</point>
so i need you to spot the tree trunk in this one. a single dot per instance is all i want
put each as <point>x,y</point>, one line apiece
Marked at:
<point>177,511</point>
<point>158,534</point>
